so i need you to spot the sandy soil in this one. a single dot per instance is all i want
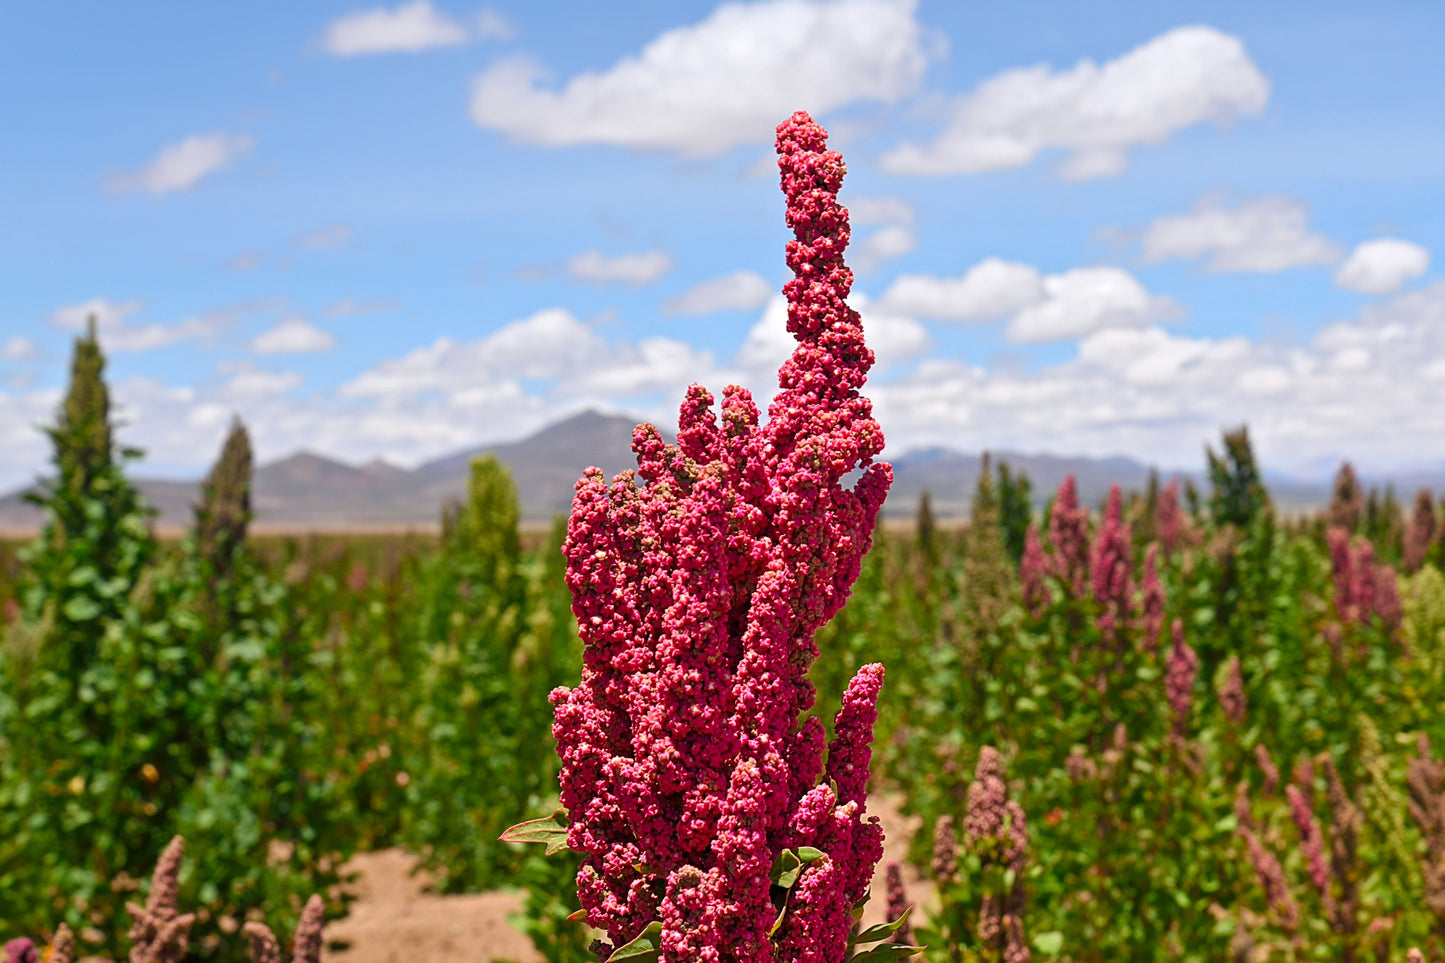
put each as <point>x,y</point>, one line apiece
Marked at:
<point>395,919</point>
<point>898,832</point>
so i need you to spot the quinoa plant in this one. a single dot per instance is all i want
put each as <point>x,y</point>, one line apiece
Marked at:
<point>155,694</point>
<point>480,748</point>
<point>694,783</point>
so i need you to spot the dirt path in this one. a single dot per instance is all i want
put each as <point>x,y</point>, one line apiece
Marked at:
<point>898,832</point>
<point>394,919</point>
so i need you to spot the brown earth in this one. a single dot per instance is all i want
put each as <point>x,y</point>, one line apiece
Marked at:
<point>395,920</point>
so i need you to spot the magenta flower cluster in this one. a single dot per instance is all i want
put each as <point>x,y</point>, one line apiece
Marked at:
<point>1151,609</point>
<point>1232,698</point>
<point>1110,562</point>
<point>689,762</point>
<point>1179,677</point>
<point>995,828</point>
<point>1312,844</point>
<point>1362,588</point>
<point>1033,574</point>
<point>1069,535</point>
<point>1169,522</point>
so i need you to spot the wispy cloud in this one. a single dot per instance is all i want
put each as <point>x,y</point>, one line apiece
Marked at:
<point>293,336</point>
<point>738,291</point>
<point>346,307</point>
<point>637,269</point>
<point>879,210</point>
<point>17,348</point>
<point>409,28</point>
<point>184,164</point>
<point>117,333</point>
<point>884,244</point>
<point>329,238</point>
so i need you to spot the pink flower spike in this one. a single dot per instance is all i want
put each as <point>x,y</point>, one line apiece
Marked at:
<point>1151,614</point>
<point>1169,521</point>
<point>689,762</point>
<point>1069,534</point>
<point>1033,572</point>
<point>1109,566</point>
<point>1179,678</point>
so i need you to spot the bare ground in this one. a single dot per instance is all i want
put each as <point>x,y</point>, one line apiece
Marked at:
<point>395,919</point>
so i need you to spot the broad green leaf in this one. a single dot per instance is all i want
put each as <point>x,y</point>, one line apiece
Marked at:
<point>82,608</point>
<point>643,949</point>
<point>549,830</point>
<point>1049,943</point>
<point>786,869</point>
<point>859,906</point>
<point>887,951</point>
<point>881,931</point>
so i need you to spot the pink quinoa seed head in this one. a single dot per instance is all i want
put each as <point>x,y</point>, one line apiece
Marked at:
<point>685,767</point>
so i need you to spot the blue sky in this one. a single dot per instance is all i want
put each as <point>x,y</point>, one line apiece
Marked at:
<point>399,230</point>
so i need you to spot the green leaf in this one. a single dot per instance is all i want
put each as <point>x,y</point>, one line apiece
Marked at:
<point>881,931</point>
<point>1049,943</point>
<point>82,608</point>
<point>549,830</point>
<point>810,854</point>
<point>644,949</point>
<point>887,951</point>
<point>786,869</point>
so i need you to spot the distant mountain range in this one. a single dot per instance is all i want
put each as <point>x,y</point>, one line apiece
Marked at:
<point>310,491</point>
<point>307,491</point>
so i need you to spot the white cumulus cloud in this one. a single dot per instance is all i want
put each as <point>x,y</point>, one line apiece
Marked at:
<point>1266,234</point>
<point>993,288</point>
<point>738,291</point>
<point>728,80</point>
<point>293,336</point>
<point>1094,112</point>
<point>1085,300</point>
<point>182,165</point>
<point>1382,266</point>
<point>884,244</point>
<point>409,28</point>
<point>1039,307</point>
<point>879,210</point>
<point>894,338</point>
<point>547,344</point>
<point>600,268</point>
<point>1353,389</point>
